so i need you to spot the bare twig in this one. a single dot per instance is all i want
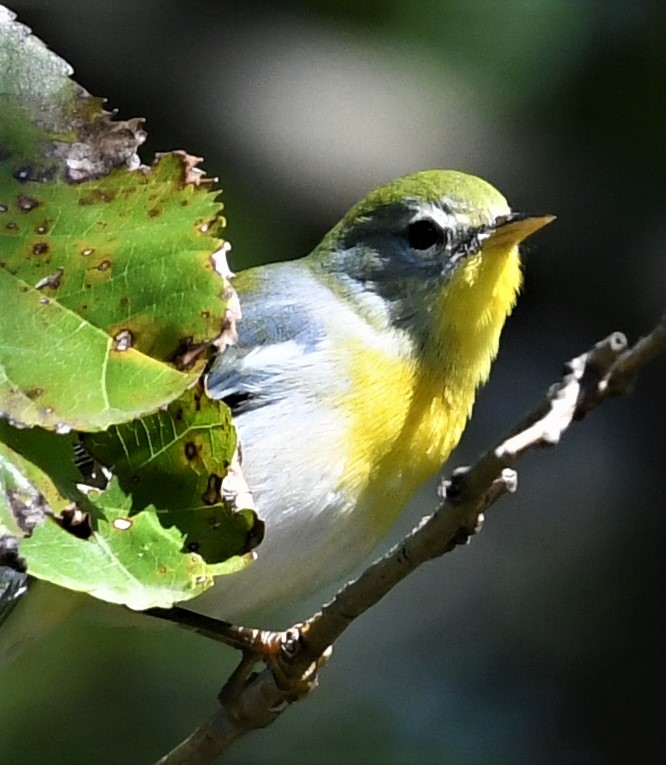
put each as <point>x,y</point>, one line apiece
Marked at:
<point>293,657</point>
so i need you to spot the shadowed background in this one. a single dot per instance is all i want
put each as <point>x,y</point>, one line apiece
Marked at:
<point>542,641</point>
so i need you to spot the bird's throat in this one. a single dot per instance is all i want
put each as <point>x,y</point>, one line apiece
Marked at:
<point>408,412</point>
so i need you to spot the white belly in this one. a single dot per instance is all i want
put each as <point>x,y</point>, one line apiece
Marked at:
<point>313,536</point>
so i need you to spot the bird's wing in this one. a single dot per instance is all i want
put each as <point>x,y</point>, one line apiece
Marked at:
<point>278,331</point>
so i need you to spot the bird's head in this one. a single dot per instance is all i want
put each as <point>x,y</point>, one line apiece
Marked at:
<point>429,253</point>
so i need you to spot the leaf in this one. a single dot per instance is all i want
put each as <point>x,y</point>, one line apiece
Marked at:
<point>110,297</point>
<point>177,460</point>
<point>128,559</point>
<point>103,282</point>
<point>46,459</point>
<point>42,106</point>
<point>23,490</point>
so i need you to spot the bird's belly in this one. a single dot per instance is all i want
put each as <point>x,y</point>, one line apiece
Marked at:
<point>314,531</point>
<point>328,481</point>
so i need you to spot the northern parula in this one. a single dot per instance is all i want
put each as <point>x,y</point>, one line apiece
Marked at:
<point>353,377</point>
<point>355,372</point>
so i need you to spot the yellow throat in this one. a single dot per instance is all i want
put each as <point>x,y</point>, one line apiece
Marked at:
<point>410,408</point>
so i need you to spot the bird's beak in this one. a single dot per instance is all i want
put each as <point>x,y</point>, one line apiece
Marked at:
<point>513,228</point>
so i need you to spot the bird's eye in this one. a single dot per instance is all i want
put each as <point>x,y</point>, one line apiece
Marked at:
<point>423,234</point>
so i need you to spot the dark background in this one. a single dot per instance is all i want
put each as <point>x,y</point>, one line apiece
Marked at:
<point>542,641</point>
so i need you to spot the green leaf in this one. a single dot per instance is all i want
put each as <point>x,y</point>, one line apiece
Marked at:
<point>110,298</point>
<point>46,459</point>
<point>128,559</point>
<point>123,557</point>
<point>177,460</point>
<point>60,372</point>
<point>103,282</point>
<point>42,106</point>
<point>22,505</point>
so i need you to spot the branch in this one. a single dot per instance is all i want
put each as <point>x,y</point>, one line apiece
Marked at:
<point>254,700</point>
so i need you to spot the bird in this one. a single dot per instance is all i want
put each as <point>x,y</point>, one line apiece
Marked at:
<point>355,372</point>
<point>352,378</point>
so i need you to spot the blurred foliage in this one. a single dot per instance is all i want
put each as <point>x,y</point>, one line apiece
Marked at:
<point>541,642</point>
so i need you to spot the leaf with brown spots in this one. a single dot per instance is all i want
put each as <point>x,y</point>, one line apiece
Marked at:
<point>112,293</point>
<point>176,460</point>
<point>97,543</point>
<point>128,558</point>
<point>109,290</point>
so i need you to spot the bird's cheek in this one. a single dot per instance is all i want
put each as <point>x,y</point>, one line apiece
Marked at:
<point>463,276</point>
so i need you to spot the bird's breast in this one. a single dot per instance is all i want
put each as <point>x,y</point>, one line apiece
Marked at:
<point>403,420</point>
